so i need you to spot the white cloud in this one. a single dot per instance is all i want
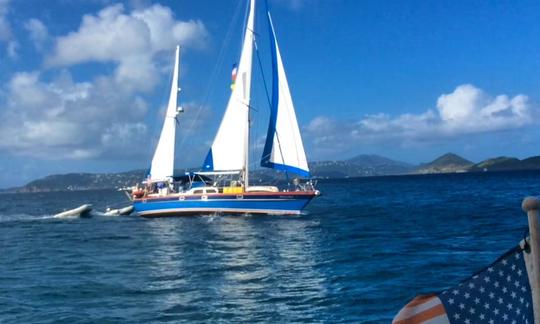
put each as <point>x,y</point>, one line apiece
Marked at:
<point>129,39</point>
<point>470,110</point>
<point>38,32</point>
<point>67,120</point>
<point>466,110</point>
<point>102,117</point>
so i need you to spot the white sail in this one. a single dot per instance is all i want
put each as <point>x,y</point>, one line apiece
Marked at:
<point>283,149</point>
<point>163,160</point>
<point>229,150</point>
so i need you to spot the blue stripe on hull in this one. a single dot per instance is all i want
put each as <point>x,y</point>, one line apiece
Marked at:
<point>266,205</point>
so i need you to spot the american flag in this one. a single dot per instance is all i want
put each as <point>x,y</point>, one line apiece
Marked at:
<point>500,293</point>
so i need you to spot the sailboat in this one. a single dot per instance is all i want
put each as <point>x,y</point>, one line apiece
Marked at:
<point>223,184</point>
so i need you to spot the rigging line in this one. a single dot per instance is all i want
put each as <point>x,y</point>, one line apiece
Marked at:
<point>269,104</point>
<point>213,77</point>
<point>262,74</point>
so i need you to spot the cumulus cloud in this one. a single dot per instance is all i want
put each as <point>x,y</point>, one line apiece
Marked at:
<point>470,110</point>
<point>466,110</point>
<point>64,119</point>
<point>131,40</point>
<point>102,116</point>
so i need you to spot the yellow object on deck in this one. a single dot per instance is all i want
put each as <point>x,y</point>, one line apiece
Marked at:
<point>233,190</point>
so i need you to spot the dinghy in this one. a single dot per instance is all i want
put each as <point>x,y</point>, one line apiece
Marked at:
<point>81,211</point>
<point>118,212</point>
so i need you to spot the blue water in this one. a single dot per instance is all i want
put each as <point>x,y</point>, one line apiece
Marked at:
<point>361,251</point>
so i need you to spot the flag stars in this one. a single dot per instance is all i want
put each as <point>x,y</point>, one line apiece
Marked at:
<point>506,285</point>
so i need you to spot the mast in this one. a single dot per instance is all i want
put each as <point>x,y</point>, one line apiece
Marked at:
<point>249,29</point>
<point>246,149</point>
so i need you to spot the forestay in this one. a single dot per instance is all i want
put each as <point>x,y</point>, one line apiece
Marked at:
<point>283,149</point>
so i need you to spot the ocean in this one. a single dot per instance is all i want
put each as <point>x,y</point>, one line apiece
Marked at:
<point>360,252</point>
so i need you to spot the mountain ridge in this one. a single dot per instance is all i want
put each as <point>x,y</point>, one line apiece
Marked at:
<point>363,165</point>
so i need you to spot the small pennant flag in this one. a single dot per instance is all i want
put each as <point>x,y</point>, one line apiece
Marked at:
<point>500,293</point>
<point>233,76</point>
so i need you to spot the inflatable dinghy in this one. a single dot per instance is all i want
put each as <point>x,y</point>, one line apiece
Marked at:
<point>80,211</point>
<point>119,212</point>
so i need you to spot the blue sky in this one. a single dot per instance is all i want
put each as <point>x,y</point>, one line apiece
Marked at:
<point>83,83</point>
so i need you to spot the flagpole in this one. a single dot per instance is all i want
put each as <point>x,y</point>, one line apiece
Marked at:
<point>531,206</point>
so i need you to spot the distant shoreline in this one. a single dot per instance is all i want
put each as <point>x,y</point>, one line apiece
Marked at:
<point>23,190</point>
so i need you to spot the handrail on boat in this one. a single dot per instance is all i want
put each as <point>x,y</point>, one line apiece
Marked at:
<point>531,205</point>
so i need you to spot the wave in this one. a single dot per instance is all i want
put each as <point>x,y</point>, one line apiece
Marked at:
<point>22,217</point>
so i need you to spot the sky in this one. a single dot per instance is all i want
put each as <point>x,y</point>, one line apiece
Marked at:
<point>84,83</point>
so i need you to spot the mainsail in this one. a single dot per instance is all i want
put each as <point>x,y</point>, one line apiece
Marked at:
<point>229,151</point>
<point>283,149</point>
<point>163,160</point>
